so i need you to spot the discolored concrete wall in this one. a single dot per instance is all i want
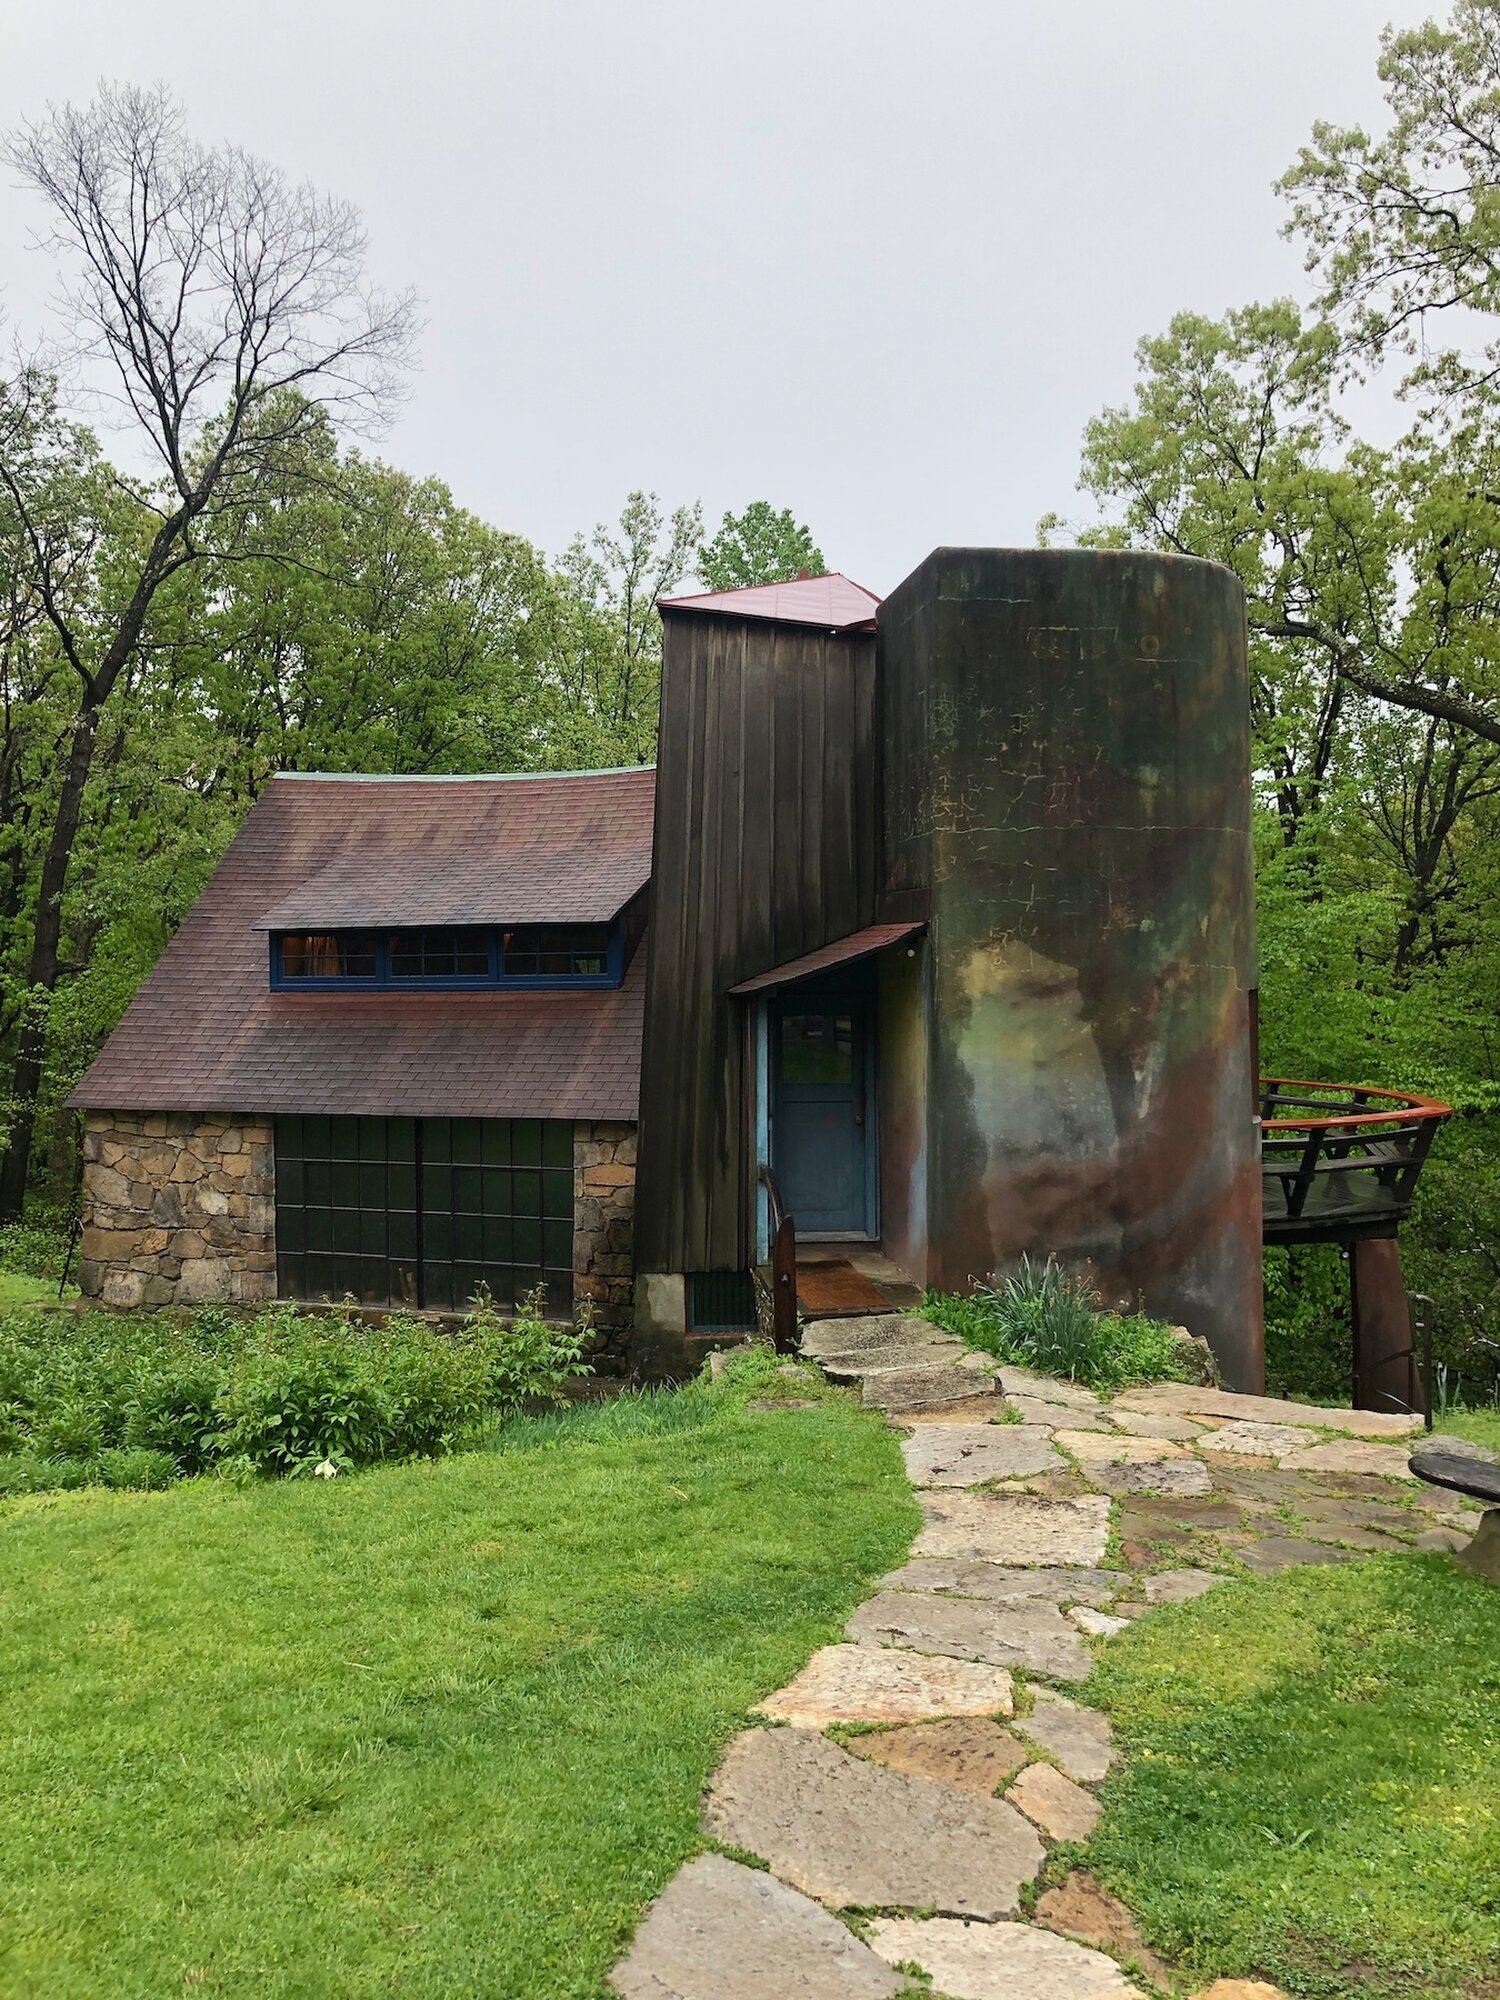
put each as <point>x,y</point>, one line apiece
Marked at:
<point>1067,768</point>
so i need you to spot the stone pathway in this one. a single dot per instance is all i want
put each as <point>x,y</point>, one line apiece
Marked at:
<point>921,1769</point>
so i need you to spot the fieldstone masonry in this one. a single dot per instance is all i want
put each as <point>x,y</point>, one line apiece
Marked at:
<point>604,1230</point>
<point>179,1208</point>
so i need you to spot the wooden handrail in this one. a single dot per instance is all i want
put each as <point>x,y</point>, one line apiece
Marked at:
<point>783,1267</point>
<point>1407,1107</point>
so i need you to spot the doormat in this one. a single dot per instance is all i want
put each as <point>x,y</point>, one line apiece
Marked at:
<point>824,1291</point>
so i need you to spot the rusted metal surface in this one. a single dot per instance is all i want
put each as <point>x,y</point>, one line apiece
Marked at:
<point>1066,751</point>
<point>1386,1376</point>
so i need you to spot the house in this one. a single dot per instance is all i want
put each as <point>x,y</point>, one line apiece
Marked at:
<point>950,953</point>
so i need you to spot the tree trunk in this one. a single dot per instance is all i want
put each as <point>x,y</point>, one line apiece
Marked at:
<point>41,970</point>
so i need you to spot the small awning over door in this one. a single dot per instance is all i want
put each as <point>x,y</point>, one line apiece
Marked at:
<point>858,944</point>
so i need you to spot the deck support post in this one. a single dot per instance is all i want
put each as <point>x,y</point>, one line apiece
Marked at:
<point>1385,1370</point>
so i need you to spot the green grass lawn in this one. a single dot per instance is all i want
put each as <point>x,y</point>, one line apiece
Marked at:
<point>1310,1794</point>
<point>1479,1426</point>
<point>434,1729</point>
<point>16,1289</point>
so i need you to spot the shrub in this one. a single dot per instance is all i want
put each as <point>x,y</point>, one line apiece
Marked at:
<point>526,1361</point>
<point>290,1412</point>
<point>73,1429</point>
<point>34,1249</point>
<point>176,1412</point>
<point>137,1470</point>
<point>1044,1318</point>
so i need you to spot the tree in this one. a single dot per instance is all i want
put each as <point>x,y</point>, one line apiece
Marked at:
<point>601,632</point>
<point>226,308</point>
<point>1404,227</point>
<point>759,546</point>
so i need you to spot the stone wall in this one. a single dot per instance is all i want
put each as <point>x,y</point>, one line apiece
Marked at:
<point>604,1232</point>
<point>178,1208</point>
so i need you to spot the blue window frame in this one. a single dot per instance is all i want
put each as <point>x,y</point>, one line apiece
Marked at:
<point>451,956</point>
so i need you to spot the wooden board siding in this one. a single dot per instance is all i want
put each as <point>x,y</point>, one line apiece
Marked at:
<point>764,849</point>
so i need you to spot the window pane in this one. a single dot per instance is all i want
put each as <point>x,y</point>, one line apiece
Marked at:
<point>328,955</point>
<point>556,951</point>
<point>557,1194</point>
<point>466,1141</point>
<point>557,1245</point>
<point>557,1143</point>
<point>371,1184</point>
<point>346,1229</point>
<point>315,1138</point>
<point>345,1184</point>
<point>318,1182</point>
<point>345,1138</point>
<point>526,1192</point>
<point>288,1138</point>
<point>495,1137</point>
<point>401,1138</point>
<point>467,1190</point>
<point>526,1142</point>
<point>817,1048</point>
<point>402,1187</point>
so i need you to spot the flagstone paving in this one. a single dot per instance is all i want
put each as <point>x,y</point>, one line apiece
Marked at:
<point>923,1804</point>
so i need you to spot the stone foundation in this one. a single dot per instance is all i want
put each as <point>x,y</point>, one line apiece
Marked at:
<point>604,1233</point>
<point>178,1208</point>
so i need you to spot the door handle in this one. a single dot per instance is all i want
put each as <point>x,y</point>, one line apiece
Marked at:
<point>859,1118</point>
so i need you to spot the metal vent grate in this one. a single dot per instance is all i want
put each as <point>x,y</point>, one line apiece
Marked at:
<point>720,1302</point>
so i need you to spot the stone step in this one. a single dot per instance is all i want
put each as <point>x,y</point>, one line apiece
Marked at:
<point>1003,1585</point>
<point>1079,1738</point>
<point>968,1454</point>
<point>721,1931</point>
<point>924,1387</point>
<point>1185,1399</point>
<point>869,1684</point>
<point>858,1835</point>
<point>1036,1637</point>
<point>1000,1961</point>
<point>1024,1530</point>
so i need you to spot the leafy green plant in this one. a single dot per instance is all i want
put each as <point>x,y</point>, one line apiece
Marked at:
<point>525,1359</point>
<point>176,1412</point>
<point>289,1413</point>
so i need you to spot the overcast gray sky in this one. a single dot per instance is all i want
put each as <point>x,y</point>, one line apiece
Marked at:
<point>877,261</point>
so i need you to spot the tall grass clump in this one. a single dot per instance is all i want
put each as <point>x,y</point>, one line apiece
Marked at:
<point>1042,1317</point>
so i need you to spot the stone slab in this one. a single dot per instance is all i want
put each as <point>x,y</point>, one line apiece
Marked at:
<point>1258,1440</point>
<point>885,1684</point>
<point>968,1751</point>
<point>856,1834</point>
<point>1003,1585</point>
<point>870,1330</point>
<point>1114,1448</point>
<point>1279,1552</point>
<point>980,1407</point>
<point>1080,1908</point>
<point>1058,1416</point>
<point>999,1961</point>
<point>1034,1636</point>
<point>1179,1586</point>
<point>1063,1810</point>
<point>1240,1989</point>
<point>920,1387</point>
<point>1387,1461</point>
<point>1154,1424</point>
<point>1186,1399</point>
<point>721,1931</point>
<point>1047,1388</point>
<point>1079,1738</point>
<point>1098,1624</point>
<point>1184,1478</point>
<point>966,1454</point>
<point>1019,1529</point>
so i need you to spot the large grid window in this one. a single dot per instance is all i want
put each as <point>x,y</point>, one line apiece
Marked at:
<point>436,954</point>
<point>330,955</point>
<point>422,1211</point>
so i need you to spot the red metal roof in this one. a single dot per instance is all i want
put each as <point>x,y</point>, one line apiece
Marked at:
<point>835,603</point>
<point>205,1032</point>
<point>858,944</point>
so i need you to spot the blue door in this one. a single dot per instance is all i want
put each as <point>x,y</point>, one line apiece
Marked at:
<point>822,1141</point>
